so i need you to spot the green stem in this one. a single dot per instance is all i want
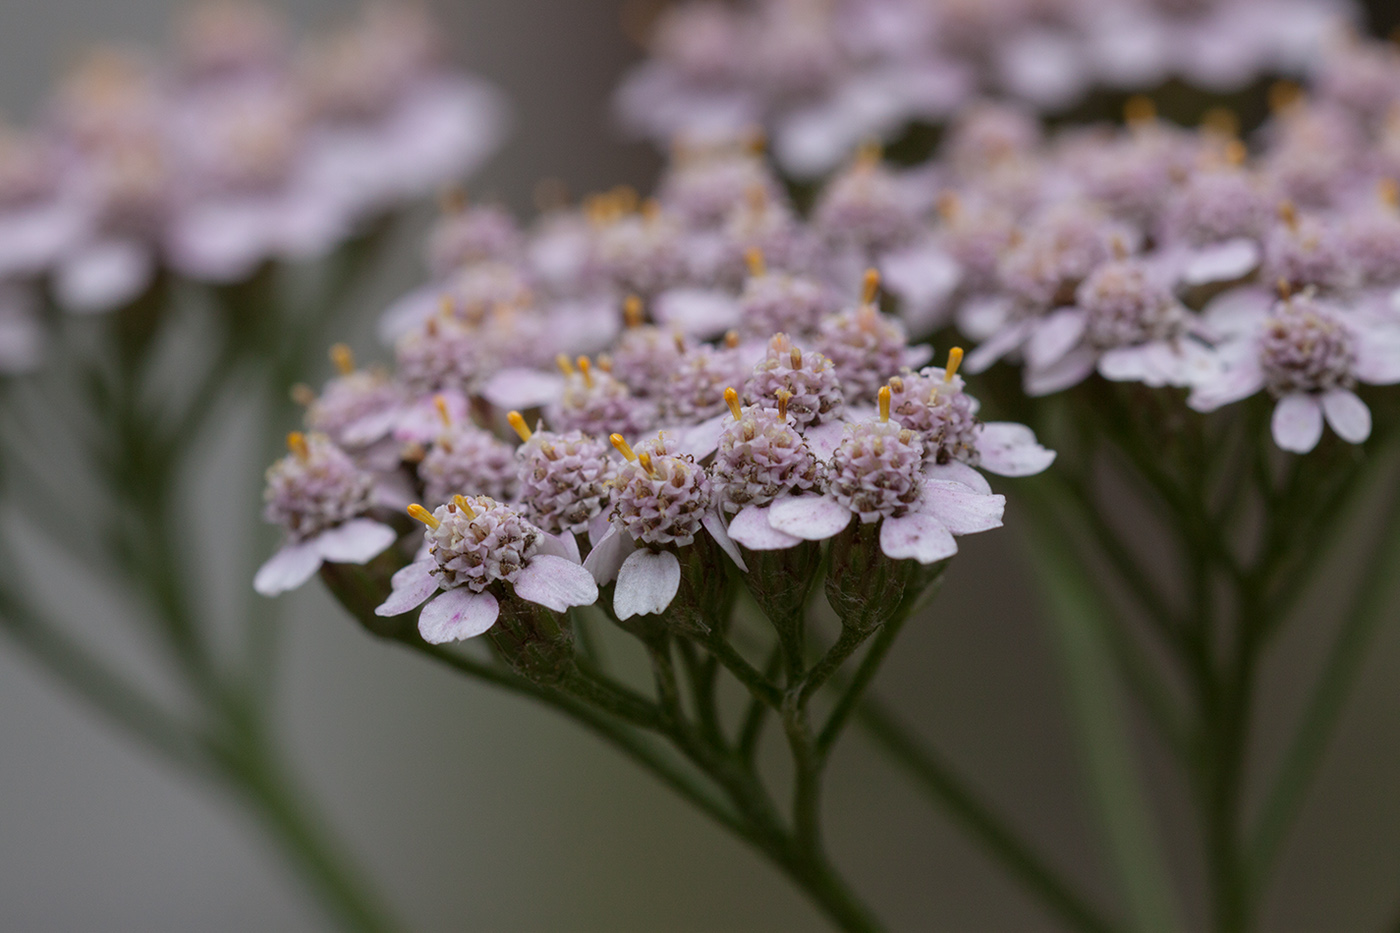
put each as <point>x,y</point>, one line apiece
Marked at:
<point>851,695</point>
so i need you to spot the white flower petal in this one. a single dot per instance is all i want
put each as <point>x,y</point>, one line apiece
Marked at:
<point>1222,262</point>
<point>556,583</point>
<point>607,555</point>
<point>1378,357</point>
<point>104,276</point>
<point>457,615</point>
<point>1347,415</point>
<point>411,586</point>
<point>521,388</point>
<point>958,472</point>
<point>996,346</point>
<point>715,526</point>
<point>961,510</point>
<point>916,536</point>
<point>1297,422</point>
<point>812,518</point>
<point>646,583</point>
<point>1010,449</point>
<point>1054,336</point>
<point>825,438</point>
<point>355,542</point>
<point>1069,370</point>
<point>922,276</point>
<point>565,546</point>
<point>289,568</point>
<point>752,529</point>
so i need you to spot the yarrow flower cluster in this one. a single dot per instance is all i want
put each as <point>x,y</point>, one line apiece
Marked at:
<point>821,77</point>
<point>238,147</point>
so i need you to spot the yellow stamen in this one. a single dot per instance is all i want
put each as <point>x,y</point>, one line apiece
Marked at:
<point>453,200</point>
<point>1285,289</point>
<point>870,286</point>
<point>1389,190</point>
<point>632,311</point>
<point>605,362</point>
<point>870,153</point>
<point>1222,121</point>
<point>884,403</point>
<point>1235,153</point>
<point>795,357</point>
<point>564,365</point>
<point>585,366</point>
<point>303,394</point>
<point>440,403</point>
<point>446,306</point>
<point>1283,95</point>
<point>783,396</point>
<point>731,398</point>
<point>623,447</point>
<point>424,516</point>
<point>731,339</point>
<point>464,505</point>
<point>645,460</point>
<point>896,384</point>
<point>949,206</point>
<point>549,451</point>
<point>955,358</point>
<point>296,443</point>
<point>651,209</point>
<point>1139,109</point>
<point>517,421</point>
<point>757,266</point>
<point>343,358</point>
<point>1288,214</point>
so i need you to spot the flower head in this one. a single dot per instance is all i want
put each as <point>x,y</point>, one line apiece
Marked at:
<point>565,479</point>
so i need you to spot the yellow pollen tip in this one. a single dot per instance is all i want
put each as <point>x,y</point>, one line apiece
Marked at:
<point>303,395</point>
<point>754,257</point>
<point>440,403</point>
<point>605,362</point>
<point>1235,153</point>
<point>446,306</point>
<point>783,396</point>
<point>955,358</point>
<point>343,358</point>
<point>453,200</point>
<point>870,286</point>
<point>564,365</point>
<point>632,311</point>
<point>1288,214</point>
<point>1285,289</point>
<point>296,443</point>
<point>645,461</point>
<point>586,367</point>
<point>949,206</point>
<point>464,505</point>
<point>623,447</point>
<point>1390,192</point>
<point>795,357</point>
<point>884,403</point>
<point>896,384</point>
<point>731,398</point>
<point>731,339</point>
<point>1139,109</point>
<point>870,153</point>
<point>517,421</point>
<point>1283,95</point>
<point>424,516</point>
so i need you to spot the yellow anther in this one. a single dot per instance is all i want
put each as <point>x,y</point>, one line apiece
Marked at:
<point>549,451</point>
<point>1139,109</point>
<point>955,358</point>
<point>731,398</point>
<point>1283,95</point>
<point>783,396</point>
<point>1285,289</point>
<point>884,403</point>
<point>1389,190</point>
<point>756,198</point>
<point>464,505</point>
<point>651,209</point>
<point>754,257</point>
<point>303,394</point>
<point>755,140</point>
<point>1222,121</point>
<point>343,358</point>
<point>870,153</point>
<point>453,200</point>
<point>1288,214</point>
<point>795,357</point>
<point>645,460</point>
<point>296,443</point>
<point>632,311</point>
<point>424,516</point>
<point>1119,247</point>
<point>585,366</point>
<point>440,403</point>
<point>731,339</point>
<point>446,306</point>
<point>896,384</point>
<point>949,206</point>
<point>517,421</point>
<point>565,367</point>
<point>605,362</point>
<point>1235,153</point>
<point>623,447</point>
<point>870,286</point>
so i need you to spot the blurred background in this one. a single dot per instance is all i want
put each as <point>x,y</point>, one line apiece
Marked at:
<point>476,811</point>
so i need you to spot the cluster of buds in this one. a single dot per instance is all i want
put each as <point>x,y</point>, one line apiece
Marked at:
<point>238,147</point>
<point>808,73</point>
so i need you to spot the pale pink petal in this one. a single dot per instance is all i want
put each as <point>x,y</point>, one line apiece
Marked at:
<point>520,388</point>
<point>699,440</point>
<point>980,318</point>
<point>1010,449</point>
<point>917,536</point>
<point>956,471</point>
<point>751,529</point>
<point>996,346</point>
<point>824,438</point>
<point>701,312</point>
<point>1054,336</point>
<point>960,509</point>
<point>1297,422</point>
<point>457,615</point>
<point>812,518</point>
<point>715,526</point>
<point>1377,357</point>
<point>104,276</point>
<point>1236,381</point>
<point>411,586</point>
<point>565,546</point>
<point>646,583</point>
<point>608,555</point>
<point>556,583</point>
<point>289,568</point>
<point>1069,370</point>
<point>1237,312</point>
<point>356,541</point>
<point>410,312</point>
<point>1347,415</point>
<point>1222,262</point>
<point>923,277</point>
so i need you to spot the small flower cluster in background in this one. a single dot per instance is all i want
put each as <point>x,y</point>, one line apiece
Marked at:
<point>239,146</point>
<point>822,76</point>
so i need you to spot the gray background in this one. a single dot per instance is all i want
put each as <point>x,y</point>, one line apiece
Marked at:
<point>477,811</point>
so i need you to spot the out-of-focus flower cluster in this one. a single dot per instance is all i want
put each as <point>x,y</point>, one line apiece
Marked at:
<point>624,383</point>
<point>823,75</point>
<point>237,147</point>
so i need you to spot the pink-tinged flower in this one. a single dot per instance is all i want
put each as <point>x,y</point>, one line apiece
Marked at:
<point>320,497</point>
<point>1309,356</point>
<point>1211,229</point>
<point>806,386</point>
<point>595,402</point>
<point>229,40</point>
<point>479,552</point>
<point>704,183</point>
<point>359,407</point>
<point>867,347</point>
<point>662,502</point>
<point>466,458</point>
<point>776,302</point>
<point>466,235</point>
<point>645,354</point>
<point>565,479</point>
<point>877,475</point>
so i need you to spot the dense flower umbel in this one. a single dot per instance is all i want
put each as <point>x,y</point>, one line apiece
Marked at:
<point>467,457</point>
<point>565,479</point>
<point>479,550</point>
<point>761,456</point>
